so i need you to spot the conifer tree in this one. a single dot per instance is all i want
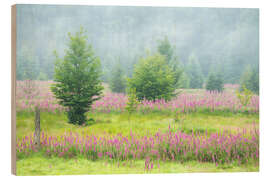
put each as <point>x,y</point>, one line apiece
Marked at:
<point>117,81</point>
<point>77,78</point>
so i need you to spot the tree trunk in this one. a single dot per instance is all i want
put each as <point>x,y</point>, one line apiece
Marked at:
<point>37,128</point>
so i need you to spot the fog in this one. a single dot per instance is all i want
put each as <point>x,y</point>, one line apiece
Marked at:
<point>222,39</point>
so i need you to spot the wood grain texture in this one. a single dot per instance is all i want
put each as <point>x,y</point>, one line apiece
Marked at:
<point>13,89</point>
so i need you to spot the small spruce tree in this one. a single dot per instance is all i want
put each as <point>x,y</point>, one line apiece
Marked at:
<point>77,78</point>
<point>132,103</point>
<point>215,82</point>
<point>184,81</point>
<point>117,81</point>
<point>165,49</point>
<point>194,72</point>
<point>153,79</point>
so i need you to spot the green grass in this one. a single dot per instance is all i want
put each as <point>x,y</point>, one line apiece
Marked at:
<point>39,165</point>
<point>115,123</point>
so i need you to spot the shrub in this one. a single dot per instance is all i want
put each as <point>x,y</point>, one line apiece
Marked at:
<point>77,78</point>
<point>153,79</point>
<point>244,96</point>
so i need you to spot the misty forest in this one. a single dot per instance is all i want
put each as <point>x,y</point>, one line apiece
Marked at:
<point>115,89</point>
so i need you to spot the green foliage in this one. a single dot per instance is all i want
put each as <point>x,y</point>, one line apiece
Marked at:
<point>89,122</point>
<point>250,80</point>
<point>165,49</point>
<point>132,103</point>
<point>244,96</point>
<point>214,82</point>
<point>42,76</point>
<point>184,81</point>
<point>153,79</point>
<point>117,81</point>
<point>77,78</point>
<point>194,72</point>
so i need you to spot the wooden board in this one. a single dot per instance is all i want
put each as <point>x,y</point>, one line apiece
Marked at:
<point>13,89</point>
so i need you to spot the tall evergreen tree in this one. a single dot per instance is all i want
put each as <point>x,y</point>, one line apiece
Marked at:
<point>184,81</point>
<point>194,72</point>
<point>77,78</point>
<point>118,81</point>
<point>165,49</point>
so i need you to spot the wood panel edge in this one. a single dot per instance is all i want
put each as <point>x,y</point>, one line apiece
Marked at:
<point>13,89</point>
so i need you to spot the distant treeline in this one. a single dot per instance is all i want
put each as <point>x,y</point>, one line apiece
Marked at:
<point>203,40</point>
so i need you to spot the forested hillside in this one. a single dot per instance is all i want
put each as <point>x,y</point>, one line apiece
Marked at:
<point>224,40</point>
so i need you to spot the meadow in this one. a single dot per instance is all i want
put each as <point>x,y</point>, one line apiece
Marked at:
<point>197,131</point>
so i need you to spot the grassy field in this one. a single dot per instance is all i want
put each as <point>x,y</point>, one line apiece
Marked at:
<point>114,123</point>
<point>39,165</point>
<point>144,123</point>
